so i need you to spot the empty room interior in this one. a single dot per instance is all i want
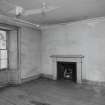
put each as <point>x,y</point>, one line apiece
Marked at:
<point>52,52</point>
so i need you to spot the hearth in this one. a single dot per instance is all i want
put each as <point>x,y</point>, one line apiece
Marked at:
<point>66,71</point>
<point>76,61</point>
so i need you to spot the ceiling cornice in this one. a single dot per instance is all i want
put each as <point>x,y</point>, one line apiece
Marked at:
<point>18,22</point>
<point>91,20</point>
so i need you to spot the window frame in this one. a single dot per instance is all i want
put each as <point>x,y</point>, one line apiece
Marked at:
<point>7,33</point>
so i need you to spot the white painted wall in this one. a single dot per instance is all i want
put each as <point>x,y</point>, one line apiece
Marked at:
<point>30,52</point>
<point>84,37</point>
<point>13,74</point>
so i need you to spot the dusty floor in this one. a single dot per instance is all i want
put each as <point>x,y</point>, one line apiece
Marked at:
<point>53,93</point>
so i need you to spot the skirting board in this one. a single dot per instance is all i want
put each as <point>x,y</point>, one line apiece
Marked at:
<point>94,83</point>
<point>30,78</point>
<point>48,76</point>
<point>85,82</point>
<point>36,77</point>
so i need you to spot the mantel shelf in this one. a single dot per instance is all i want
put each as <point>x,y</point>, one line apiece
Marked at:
<point>67,56</point>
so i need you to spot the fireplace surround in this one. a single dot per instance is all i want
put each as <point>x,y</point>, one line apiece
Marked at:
<point>78,59</point>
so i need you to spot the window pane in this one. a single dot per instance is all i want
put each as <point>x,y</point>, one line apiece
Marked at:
<point>2,44</point>
<point>2,35</point>
<point>3,54</point>
<point>3,63</point>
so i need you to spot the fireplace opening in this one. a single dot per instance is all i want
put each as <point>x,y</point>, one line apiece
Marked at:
<point>66,71</point>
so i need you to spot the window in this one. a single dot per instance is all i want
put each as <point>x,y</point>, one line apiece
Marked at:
<point>3,50</point>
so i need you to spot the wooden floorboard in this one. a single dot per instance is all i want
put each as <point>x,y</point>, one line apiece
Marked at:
<point>53,93</point>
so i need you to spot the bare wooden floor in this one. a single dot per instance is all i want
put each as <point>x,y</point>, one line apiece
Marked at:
<point>53,93</point>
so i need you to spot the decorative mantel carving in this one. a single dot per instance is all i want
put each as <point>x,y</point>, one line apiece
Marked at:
<point>68,58</point>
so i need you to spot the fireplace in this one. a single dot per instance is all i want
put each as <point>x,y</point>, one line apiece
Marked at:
<point>66,71</point>
<point>62,62</point>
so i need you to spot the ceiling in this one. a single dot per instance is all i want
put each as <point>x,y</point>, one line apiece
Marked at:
<point>69,10</point>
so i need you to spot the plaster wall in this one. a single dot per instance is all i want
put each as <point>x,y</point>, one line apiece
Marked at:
<point>86,38</point>
<point>13,67</point>
<point>30,52</point>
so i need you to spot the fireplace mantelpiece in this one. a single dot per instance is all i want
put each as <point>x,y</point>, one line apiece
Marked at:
<point>68,58</point>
